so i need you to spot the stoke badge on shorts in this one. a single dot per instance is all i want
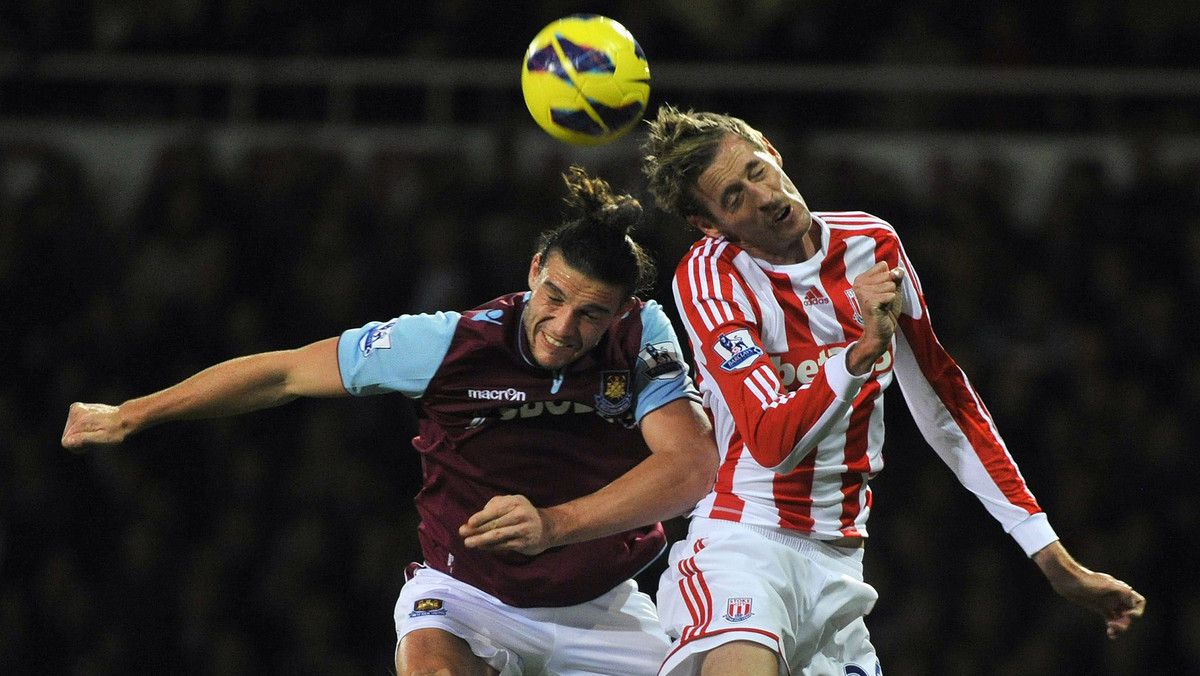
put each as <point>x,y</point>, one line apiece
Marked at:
<point>738,609</point>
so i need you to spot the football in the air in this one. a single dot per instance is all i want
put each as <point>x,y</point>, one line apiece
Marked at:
<point>585,79</point>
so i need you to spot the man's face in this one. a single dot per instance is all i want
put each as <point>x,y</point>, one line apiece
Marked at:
<point>752,202</point>
<point>568,312</point>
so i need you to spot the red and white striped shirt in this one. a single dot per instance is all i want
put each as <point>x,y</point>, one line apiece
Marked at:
<point>800,436</point>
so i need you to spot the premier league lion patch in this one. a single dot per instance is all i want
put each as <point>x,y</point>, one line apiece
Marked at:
<point>660,361</point>
<point>378,338</point>
<point>737,349</point>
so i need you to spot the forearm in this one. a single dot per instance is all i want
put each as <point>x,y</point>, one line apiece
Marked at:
<point>1058,566</point>
<point>657,489</point>
<point>238,386</point>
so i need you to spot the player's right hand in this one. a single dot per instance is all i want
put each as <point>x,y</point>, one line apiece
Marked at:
<point>878,294</point>
<point>507,523</point>
<point>92,424</point>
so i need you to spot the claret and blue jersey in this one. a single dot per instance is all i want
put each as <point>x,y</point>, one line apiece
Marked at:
<point>492,422</point>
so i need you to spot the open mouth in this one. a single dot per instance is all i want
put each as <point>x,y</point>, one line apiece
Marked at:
<point>783,214</point>
<point>553,341</point>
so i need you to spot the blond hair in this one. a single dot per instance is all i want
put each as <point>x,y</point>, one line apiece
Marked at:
<point>680,147</point>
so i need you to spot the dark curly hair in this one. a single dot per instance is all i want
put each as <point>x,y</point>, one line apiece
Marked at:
<point>598,243</point>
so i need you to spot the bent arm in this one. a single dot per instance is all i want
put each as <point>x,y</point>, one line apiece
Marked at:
<point>236,386</point>
<point>678,473</point>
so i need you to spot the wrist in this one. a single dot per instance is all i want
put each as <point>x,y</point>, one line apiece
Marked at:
<point>554,522</point>
<point>1057,565</point>
<point>861,356</point>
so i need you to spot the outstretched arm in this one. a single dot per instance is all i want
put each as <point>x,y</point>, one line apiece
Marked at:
<point>679,472</point>
<point>235,386</point>
<point>1116,601</point>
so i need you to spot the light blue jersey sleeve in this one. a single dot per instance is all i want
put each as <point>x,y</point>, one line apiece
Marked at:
<point>662,375</point>
<point>397,356</point>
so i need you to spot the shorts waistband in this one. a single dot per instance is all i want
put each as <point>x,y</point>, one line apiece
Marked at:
<point>807,546</point>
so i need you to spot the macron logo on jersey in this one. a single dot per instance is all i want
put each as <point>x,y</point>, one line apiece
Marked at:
<point>510,394</point>
<point>814,297</point>
<point>737,349</point>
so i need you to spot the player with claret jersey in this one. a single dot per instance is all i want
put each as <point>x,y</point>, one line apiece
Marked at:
<point>798,322</point>
<point>558,428</point>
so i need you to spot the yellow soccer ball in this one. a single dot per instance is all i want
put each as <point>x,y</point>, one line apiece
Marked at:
<point>585,79</point>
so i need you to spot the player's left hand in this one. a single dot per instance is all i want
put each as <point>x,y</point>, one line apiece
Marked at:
<point>508,523</point>
<point>1115,600</point>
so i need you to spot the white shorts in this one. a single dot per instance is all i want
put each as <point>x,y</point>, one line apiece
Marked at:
<point>801,598</point>
<point>615,634</point>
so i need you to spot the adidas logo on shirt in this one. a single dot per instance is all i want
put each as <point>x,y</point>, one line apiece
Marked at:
<point>814,297</point>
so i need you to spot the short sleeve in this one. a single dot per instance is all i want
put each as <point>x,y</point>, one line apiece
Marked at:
<point>401,355</point>
<point>662,375</point>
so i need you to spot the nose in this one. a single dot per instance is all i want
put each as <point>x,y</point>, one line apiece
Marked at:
<point>564,324</point>
<point>761,195</point>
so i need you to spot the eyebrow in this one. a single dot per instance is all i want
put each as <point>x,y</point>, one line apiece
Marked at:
<point>590,307</point>
<point>734,188</point>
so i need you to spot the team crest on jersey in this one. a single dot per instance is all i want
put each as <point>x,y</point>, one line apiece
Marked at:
<point>854,304</point>
<point>615,397</point>
<point>429,606</point>
<point>660,361</point>
<point>378,338</point>
<point>738,609</point>
<point>737,349</point>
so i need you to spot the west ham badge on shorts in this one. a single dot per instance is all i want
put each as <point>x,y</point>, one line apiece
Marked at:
<point>615,397</point>
<point>428,607</point>
<point>738,610</point>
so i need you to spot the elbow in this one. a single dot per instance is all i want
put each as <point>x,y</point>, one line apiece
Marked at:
<point>767,453</point>
<point>700,475</point>
<point>781,460</point>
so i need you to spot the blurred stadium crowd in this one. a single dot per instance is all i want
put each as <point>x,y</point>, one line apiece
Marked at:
<point>1075,32</point>
<point>275,542</point>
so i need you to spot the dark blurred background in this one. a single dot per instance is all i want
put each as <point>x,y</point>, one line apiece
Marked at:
<point>182,182</point>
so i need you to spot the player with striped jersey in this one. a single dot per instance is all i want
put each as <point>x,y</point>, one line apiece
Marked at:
<point>558,427</point>
<point>798,322</point>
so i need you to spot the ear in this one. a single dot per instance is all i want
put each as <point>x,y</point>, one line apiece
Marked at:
<point>624,309</point>
<point>535,269</point>
<point>704,225</point>
<point>774,153</point>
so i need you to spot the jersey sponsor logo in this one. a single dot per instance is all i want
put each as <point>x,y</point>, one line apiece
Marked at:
<point>615,397</point>
<point>378,338</point>
<point>814,297</point>
<point>738,609</point>
<point>805,370</point>
<point>660,361</point>
<point>737,349</point>
<point>536,408</point>
<point>510,394</point>
<point>429,606</point>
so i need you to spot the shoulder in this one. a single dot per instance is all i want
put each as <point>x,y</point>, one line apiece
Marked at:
<point>709,251</point>
<point>849,223</point>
